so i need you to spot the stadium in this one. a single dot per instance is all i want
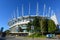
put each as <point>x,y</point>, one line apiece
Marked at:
<point>22,21</point>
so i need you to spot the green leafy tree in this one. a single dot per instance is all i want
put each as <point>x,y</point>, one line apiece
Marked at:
<point>51,26</point>
<point>20,29</point>
<point>7,32</point>
<point>29,26</point>
<point>44,25</point>
<point>2,29</point>
<point>36,24</point>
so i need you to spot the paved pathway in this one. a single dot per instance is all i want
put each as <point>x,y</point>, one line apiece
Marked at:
<point>24,38</point>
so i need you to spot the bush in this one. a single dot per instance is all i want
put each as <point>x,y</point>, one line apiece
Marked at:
<point>37,35</point>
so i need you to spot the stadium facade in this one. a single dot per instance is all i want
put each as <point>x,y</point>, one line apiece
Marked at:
<point>22,21</point>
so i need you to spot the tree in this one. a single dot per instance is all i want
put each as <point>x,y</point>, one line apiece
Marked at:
<point>2,29</point>
<point>20,29</point>
<point>7,32</point>
<point>44,25</point>
<point>36,24</point>
<point>51,26</point>
<point>29,26</point>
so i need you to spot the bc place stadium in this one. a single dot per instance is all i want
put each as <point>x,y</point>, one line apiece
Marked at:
<point>22,21</point>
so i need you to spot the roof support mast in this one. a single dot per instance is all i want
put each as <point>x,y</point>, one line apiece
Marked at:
<point>37,10</point>
<point>44,10</point>
<point>17,12</point>
<point>14,15</point>
<point>49,12</point>
<point>22,10</point>
<point>29,13</point>
<point>22,13</point>
<point>29,9</point>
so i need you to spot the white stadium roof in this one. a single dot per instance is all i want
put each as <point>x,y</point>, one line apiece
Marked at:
<point>54,18</point>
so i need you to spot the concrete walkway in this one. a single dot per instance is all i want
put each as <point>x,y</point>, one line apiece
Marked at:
<point>26,38</point>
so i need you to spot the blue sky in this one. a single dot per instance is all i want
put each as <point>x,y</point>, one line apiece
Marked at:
<point>7,7</point>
